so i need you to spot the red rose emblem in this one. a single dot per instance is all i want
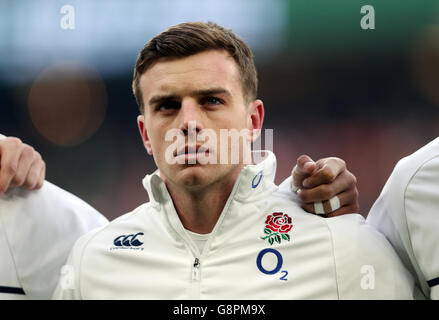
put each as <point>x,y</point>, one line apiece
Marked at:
<point>277,226</point>
<point>278,221</point>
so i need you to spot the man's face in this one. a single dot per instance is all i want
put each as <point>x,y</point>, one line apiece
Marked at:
<point>204,89</point>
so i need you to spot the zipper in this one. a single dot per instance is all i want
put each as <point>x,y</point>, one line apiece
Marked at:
<point>196,270</point>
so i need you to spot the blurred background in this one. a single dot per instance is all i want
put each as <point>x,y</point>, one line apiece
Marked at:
<point>329,87</point>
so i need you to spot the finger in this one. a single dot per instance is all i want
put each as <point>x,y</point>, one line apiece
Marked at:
<point>327,170</point>
<point>304,168</point>
<point>34,172</point>
<point>33,175</point>
<point>24,165</point>
<point>348,198</point>
<point>42,176</point>
<point>344,181</point>
<point>10,155</point>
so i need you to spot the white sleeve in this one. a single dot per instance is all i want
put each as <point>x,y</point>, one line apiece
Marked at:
<point>41,227</point>
<point>421,210</point>
<point>366,265</point>
<point>406,213</point>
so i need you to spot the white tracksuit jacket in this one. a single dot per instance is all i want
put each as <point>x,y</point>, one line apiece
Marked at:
<point>147,254</point>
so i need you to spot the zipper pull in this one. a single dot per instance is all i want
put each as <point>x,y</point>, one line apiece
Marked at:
<point>196,269</point>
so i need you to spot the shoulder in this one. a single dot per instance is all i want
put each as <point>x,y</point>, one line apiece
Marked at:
<point>426,159</point>
<point>421,186</point>
<point>412,184</point>
<point>351,231</point>
<point>47,211</point>
<point>284,192</point>
<point>48,205</point>
<point>365,262</point>
<point>88,249</point>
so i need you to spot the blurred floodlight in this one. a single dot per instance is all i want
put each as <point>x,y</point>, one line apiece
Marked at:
<point>67,103</point>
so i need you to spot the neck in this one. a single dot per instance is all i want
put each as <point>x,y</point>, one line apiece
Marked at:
<point>200,208</point>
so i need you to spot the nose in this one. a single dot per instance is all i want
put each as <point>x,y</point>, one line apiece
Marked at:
<point>190,117</point>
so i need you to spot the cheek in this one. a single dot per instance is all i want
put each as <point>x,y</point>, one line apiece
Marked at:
<point>157,137</point>
<point>157,142</point>
<point>153,135</point>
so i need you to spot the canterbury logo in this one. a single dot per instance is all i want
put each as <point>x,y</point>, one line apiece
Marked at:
<point>128,241</point>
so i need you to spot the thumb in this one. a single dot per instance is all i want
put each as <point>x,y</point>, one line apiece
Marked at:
<point>304,168</point>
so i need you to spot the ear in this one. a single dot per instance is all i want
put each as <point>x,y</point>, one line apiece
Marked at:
<point>144,133</point>
<point>255,118</point>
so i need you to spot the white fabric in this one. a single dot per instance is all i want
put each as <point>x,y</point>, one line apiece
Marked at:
<point>407,214</point>
<point>37,231</point>
<point>334,258</point>
<point>199,239</point>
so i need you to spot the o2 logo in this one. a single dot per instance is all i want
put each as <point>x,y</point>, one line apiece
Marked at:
<point>278,266</point>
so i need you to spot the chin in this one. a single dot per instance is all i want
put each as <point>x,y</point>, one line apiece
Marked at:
<point>199,176</point>
<point>194,176</point>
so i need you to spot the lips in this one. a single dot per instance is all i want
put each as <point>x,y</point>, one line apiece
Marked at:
<point>190,150</point>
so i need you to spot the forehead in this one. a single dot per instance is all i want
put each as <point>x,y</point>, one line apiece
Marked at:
<point>203,70</point>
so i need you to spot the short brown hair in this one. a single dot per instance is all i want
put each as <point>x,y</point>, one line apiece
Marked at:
<point>190,38</point>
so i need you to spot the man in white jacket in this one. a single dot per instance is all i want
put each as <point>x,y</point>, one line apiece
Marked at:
<point>215,229</point>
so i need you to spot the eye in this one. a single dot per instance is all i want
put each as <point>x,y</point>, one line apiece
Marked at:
<point>168,105</point>
<point>211,101</point>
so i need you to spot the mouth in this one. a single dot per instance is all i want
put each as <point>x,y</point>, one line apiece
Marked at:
<point>191,151</point>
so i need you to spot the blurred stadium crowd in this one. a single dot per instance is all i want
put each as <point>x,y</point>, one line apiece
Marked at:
<point>330,88</point>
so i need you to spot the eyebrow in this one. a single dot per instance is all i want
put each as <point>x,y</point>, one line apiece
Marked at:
<point>203,92</point>
<point>161,98</point>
